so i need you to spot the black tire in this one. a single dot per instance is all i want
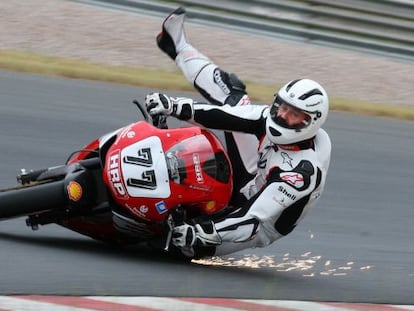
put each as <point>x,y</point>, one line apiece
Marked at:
<point>32,199</point>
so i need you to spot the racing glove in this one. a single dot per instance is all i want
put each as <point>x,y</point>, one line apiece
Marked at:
<point>186,237</point>
<point>179,107</point>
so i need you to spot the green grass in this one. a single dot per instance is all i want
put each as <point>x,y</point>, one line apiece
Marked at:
<point>156,78</point>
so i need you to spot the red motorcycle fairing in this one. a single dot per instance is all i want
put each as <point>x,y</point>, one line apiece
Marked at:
<point>120,188</point>
<point>149,171</point>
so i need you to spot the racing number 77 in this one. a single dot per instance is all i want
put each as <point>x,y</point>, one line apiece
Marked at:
<point>148,180</point>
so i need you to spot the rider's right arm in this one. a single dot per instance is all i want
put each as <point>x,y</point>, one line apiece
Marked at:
<point>247,119</point>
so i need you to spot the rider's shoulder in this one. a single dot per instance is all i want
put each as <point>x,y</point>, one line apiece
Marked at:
<point>323,148</point>
<point>322,139</point>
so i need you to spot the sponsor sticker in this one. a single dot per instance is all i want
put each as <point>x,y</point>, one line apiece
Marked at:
<point>219,81</point>
<point>74,191</point>
<point>143,209</point>
<point>139,211</point>
<point>211,206</point>
<point>287,193</point>
<point>114,174</point>
<point>130,134</point>
<point>197,168</point>
<point>294,179</point>
<point>161,207</point>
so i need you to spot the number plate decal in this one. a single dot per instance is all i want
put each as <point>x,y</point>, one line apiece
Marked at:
<point>144,169</point>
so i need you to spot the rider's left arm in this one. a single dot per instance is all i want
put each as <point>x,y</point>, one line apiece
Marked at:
<point>247,119</point>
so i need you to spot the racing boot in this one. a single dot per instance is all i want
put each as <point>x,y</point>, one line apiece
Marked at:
<point>173,41</point>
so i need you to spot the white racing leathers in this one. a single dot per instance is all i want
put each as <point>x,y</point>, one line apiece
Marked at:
<point>288,180</point>
<point>275,185</point>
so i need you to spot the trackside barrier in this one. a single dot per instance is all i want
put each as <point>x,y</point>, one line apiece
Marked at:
<point>376,26</point>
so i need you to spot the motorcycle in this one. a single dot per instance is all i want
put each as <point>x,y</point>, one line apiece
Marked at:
<point>129,185</point>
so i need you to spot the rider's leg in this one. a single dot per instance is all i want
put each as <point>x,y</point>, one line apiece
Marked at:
<point>214,84</point>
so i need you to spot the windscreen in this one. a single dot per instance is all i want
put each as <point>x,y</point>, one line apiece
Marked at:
<point>191,161</point>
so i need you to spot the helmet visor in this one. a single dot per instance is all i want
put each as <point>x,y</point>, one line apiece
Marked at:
<point>289,117</point>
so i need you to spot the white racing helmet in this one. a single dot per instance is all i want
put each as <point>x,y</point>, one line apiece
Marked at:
<point>305,95</point>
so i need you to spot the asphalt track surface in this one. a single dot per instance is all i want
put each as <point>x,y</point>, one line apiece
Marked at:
<point>356,246</point>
